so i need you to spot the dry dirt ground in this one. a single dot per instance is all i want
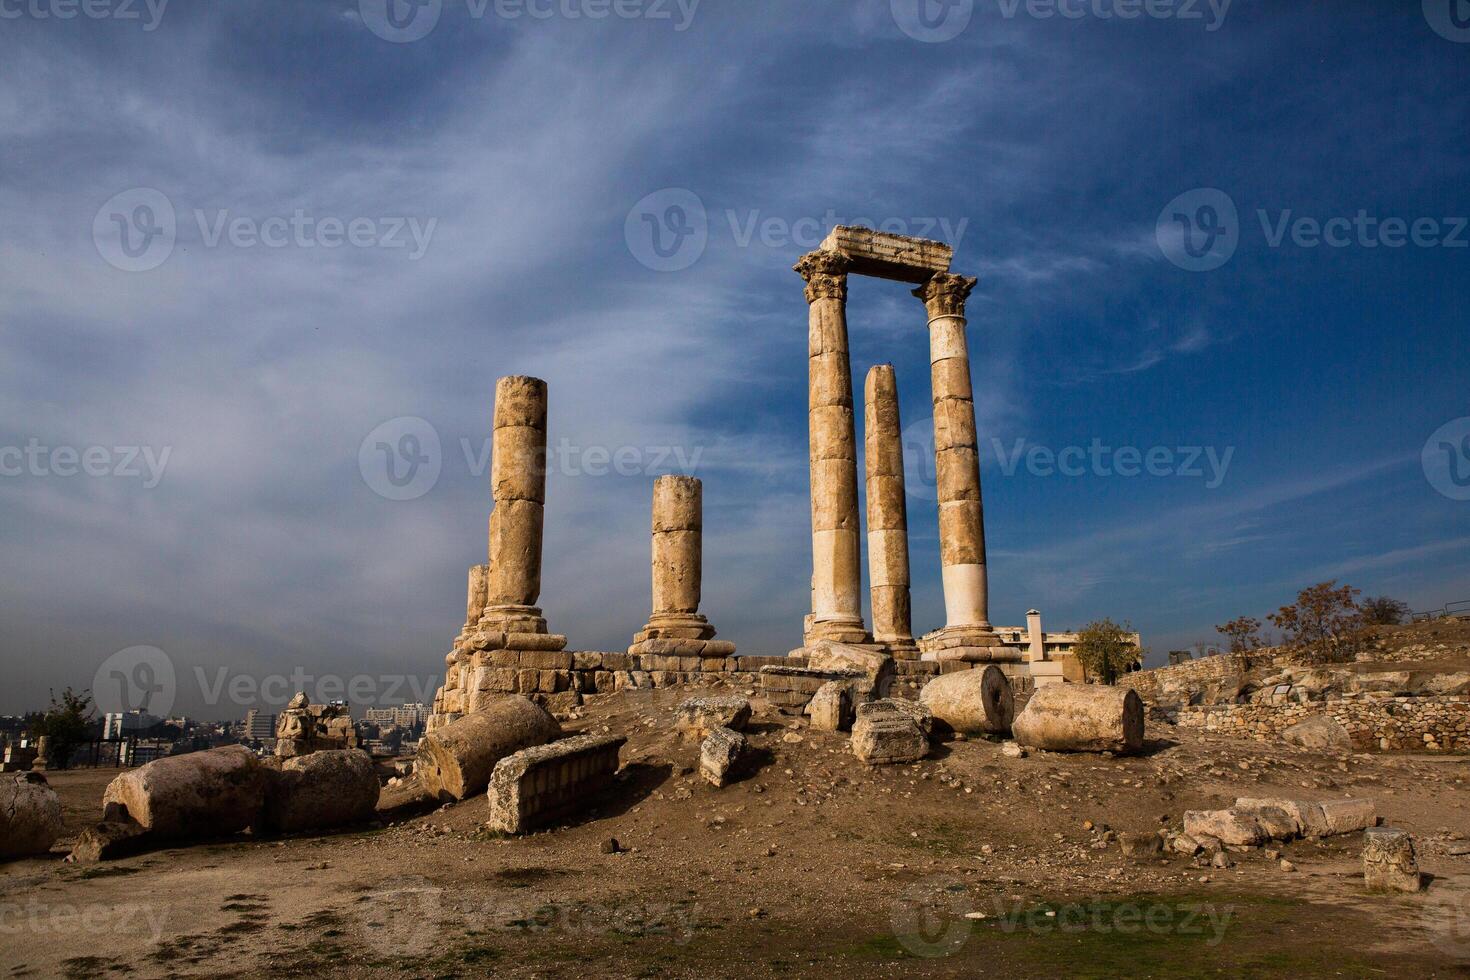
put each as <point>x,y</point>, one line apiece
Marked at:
<point>968,864</point>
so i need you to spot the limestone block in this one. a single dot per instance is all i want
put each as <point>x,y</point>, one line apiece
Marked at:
<point>1321,732</point>
<point>520,401</point>
<point>321,790</point>
<point>951,375</point>
<point>957,474</point>
<point>976,702</point>
<point>1082,718</point>
<point>1389,861</point>
<point>885,738</point>
<point>830,383</point>
<point>961,532</point>
<point>198,794</point>
<point>877,667</point>
<point>834,494</point>
<point>538,785</point>
<point>515,552</point>
<point>696,717</point>
<point>110,840</point>
<point>954,425</point>
<point>720,755</point>
<point>518,464</point>
<point>678,503</point>
<point>1232,826</point>
<point>30,815</point>
<point>888,256</point>
<point>479,594</point>
<point>455,761</point>
<point>915,711</point>
<point>1347,816</point>
<point>831,707</point>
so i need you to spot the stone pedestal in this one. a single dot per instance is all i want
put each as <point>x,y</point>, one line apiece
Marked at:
<point>676,626</point>
<point>967,633</point>
<point>518,486</point>
<point>888,528</point>
<point>836,547</point>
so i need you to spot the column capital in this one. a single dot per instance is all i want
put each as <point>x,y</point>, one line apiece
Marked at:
<point>825,274</point>
<point>945,294</point>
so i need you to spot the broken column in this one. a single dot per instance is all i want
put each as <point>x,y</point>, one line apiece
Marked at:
<point>888,528</point>
<point>836,548</point>
<point>676,626</point>
<point>967,634</point>
<point>518,485</point>
<point>1389,862</point>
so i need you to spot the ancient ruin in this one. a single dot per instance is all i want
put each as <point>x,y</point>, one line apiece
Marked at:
<point>676,627</point>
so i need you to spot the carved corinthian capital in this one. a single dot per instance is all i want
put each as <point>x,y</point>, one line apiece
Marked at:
<point>825,274</point>
<point>945,294</point>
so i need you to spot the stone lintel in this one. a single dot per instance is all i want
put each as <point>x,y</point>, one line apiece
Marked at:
<point>887,256</point>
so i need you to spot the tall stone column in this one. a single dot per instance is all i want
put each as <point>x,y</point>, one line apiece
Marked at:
<point>518,485</point>
<point>888,526</point>
<point>676,626</point>
<point>967,634</point>
<point>836,548</point>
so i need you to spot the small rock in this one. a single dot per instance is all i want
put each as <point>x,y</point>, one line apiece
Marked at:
<point>610,846</point>
<point>1287,865</point>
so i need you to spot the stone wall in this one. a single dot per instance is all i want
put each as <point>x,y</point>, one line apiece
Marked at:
<point>557,678</point>
<point>1194,675</point>
<point>1423,723</point>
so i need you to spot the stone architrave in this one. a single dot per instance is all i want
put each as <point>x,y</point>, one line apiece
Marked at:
<point>836,545</point>
<point>676,625</point>
<point>967,633</point>
<point>888,528</point>
<point>518,486</point>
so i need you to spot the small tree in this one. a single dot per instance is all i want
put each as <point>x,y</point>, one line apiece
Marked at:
<point>1324,622</point>
<point>1383,611</point>
<point>1244,633</point>
<point>66,724</point>
<point>1106,650</point>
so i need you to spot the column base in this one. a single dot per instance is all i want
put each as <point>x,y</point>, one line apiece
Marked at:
<point>676,626</point>
<point>972,644</point>
<point>849,631</point>
<point>684,648</point>
<point>901,649</point>
<point>522,628</point>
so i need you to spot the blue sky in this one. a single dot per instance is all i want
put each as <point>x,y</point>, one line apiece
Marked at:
<point>495,172</point>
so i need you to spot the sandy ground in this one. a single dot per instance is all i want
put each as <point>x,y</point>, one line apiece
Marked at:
<point>813,864</point>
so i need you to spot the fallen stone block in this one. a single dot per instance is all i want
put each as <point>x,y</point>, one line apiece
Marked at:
<point>321,790</point>
<point>538,785</point>
<point>720,755</point>
<point>1140,845</point>
<point>883,738</point>
<point>877,668</point>
<point>199,794</point>
<point>110,840</point>
<point>1081,718</point>
<point>1321,732</point>
<point>697,717</point>
<point>455,762</point>
<point>1389,861</point>
<point>976,702</point>
<point>30,815</point>
<point>1305,817</point>
<point>915,711</point>
<point>831,707</point>
<point>1346,816</point>
<point>1278,822</point>
<point>1232,826</point>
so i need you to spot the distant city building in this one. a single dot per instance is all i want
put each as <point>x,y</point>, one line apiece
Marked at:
<point>1052,656</point>
<point>411,716</point>
<point>121,724</point>
<point>259,726</point>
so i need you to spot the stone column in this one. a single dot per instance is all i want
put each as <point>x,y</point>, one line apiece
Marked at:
<point>518,485</point>
<point>676,626</point>
<point>888,526</point>
<point>479,595</point>
<point>836,549</point>
<point>967,634</point>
